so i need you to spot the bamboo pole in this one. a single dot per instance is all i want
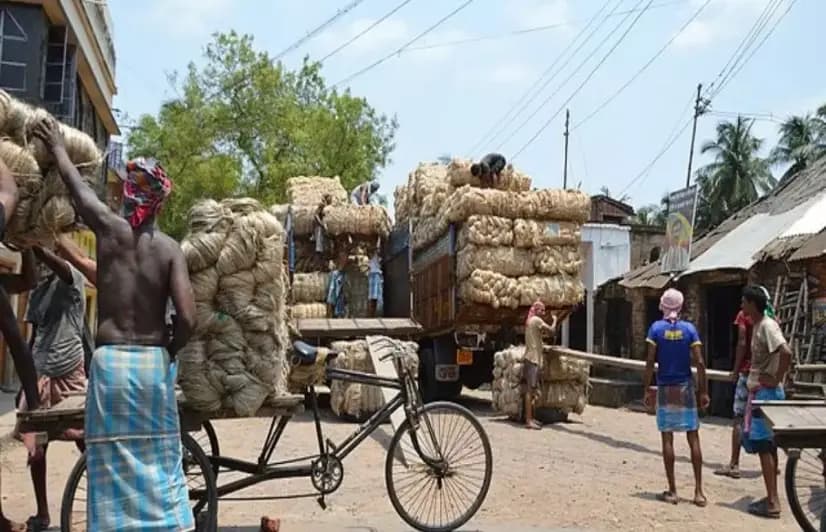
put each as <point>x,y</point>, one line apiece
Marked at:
<point>626,363</point>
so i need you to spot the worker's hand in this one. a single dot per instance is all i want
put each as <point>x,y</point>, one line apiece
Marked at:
<point>649,398</point>
<point>705,400</point>
<point>48,131</point>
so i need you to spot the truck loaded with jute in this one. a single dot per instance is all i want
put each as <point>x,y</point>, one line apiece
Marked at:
<point>476,251</point>
<point>44,208</point>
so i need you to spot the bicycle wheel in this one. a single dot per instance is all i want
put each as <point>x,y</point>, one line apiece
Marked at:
<point>196,465</point>
<point>439,499</point>
<point>806,487</point>
<point>207,439</point>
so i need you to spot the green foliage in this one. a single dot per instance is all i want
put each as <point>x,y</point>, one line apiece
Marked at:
<point>243,125</point>
<point>802,141</point>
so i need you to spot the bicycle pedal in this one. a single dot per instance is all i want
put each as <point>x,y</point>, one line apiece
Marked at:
<point>321,502</point>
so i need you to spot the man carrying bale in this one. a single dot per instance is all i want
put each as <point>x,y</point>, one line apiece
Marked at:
<point>57,307</point>
<point>535,328</point>
<point>489,169</point>
<point>363,193</point>
<point>674,344</point>
<point>134,460</point>
<point>319,226</point>
<point>23,363</point>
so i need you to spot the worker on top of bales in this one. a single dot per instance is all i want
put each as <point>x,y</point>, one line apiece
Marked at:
<point>489,169</point>
<point>133,443</point>
<point>363,193</point>
<point>535,328</point>
<point>674,345</point>
<point>319,225</point>
<point>23,362</point>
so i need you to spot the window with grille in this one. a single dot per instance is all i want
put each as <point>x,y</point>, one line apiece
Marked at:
<point>13,52</point>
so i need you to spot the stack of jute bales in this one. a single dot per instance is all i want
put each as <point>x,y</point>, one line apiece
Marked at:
<point>356,400</point>
<point>564,386</point>
<point>44,208</point>
<point>354,229</point>
<point>515,245</point>
<point>236,359</point>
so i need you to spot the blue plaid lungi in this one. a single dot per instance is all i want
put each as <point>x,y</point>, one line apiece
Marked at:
<point>374,286</point>
<point>758,436</point>
<point>133,443</point>
<point>677,408</point>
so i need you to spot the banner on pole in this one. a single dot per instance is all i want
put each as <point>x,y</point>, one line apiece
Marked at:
<point>679,230</point>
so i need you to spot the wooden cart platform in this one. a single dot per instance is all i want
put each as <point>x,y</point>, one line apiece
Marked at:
<point>796,424</point>
<point>69,414</point>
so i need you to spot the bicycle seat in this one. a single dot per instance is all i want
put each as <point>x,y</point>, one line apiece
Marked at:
<point>304,353</point>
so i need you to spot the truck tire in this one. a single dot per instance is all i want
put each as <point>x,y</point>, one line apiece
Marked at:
<point>480,372</point>
<point>429,387</point>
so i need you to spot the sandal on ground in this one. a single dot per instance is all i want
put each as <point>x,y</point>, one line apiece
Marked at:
<point>667,496</point>
<point>700,501</point>
<point>36,523</point>
<point>761,509</point>
<point>728,471</point>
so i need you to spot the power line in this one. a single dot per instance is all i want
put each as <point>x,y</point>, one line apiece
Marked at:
<point>526,31</point>
<point>493,132</point>
<point>644,67</point>
<point>365,30</point>
<point>587,78</point>
<point>405,45</point>
<point>315,31</point>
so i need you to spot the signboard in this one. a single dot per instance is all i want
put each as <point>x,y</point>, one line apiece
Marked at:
<point>679,230</point>
<point>819,312</point>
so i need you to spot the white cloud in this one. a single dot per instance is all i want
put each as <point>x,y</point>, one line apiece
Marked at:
<point>511,73</point>
<point>698,34</point>
<point>540,12</point>
<point>189,17</point>
<point>722,19</point>
<point>386,36</point>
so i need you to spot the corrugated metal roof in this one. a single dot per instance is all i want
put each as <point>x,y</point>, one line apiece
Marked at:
<point>813,248</point>
<point>802,194</point>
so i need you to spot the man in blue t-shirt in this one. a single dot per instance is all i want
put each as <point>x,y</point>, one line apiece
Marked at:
<point>674,345</point>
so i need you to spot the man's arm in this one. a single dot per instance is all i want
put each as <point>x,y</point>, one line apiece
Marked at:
<point>20,354</point>
<point>785,362</point>
<point>94,212</point>
<point>740,350</point>
<point>650,360</point>
<point>8,193</point>
<point>72,253</point>
<point>59,266</point>
<point>184,302</point>
<point>17,283</point>
<point>549,329</point>
<point>700,364</point>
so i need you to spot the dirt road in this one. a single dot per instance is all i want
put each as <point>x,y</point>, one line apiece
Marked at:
<point>600,471</point>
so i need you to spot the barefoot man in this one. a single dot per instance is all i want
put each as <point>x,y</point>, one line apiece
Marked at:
<point>674,344</point>
<point>135,475</point>
<point>535,328</point>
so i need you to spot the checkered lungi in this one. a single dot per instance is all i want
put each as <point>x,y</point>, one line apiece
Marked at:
<point>133,443</point>
<point>758,436</point>
<point>677,408</point>
<point>741,396</point>
<point>374,286</point>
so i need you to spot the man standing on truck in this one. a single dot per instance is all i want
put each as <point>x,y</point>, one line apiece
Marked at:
<point>535,328</point>
<point>23,363</point>
<point>363,193</point>
<point>56,310</point>
<point>319,226</point>
<point>133,444</point>
<point>489,169</point>
<point>336,300</point>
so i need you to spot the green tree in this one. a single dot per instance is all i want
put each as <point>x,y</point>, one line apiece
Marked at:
<point>653,215</point>
<point>244,124</point>
<point>802,141</point>
<point>737,177</point>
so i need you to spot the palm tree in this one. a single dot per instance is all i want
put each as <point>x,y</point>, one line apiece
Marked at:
<point>651,215</point>
<point>802,141</point>
<point>738,175</point>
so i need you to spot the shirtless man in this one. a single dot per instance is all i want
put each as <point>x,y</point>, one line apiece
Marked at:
<point>23,362</point>
<point>135,474</point>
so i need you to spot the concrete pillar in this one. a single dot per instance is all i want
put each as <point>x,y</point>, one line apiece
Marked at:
<point>589,321</point>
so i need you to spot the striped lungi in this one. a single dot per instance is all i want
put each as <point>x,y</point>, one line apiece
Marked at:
<point>677,408</point>
<point>133,443</point>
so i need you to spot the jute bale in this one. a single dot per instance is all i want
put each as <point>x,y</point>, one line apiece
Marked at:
<point>238,356</point>
<point>303,219</point>
<point>458,174</point>
<point>567,396</point>
<point>280,213</point>
<point>561,290</point>
<point>366,220</point>
<point>430,189</point>
<point>486,231</point>
<point>304,311</point>
<point>401,204</point>
<point>359,400</point>
<point>534,233</point>
<point>311,190</point>
<point>545,204</point>
<point>427,230</point>
<point>551,260</point>
<point>310,287</point>
<point>509,261</point>
<point>490,288</point>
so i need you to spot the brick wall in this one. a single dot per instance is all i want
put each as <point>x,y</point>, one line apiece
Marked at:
<point>643,240</point>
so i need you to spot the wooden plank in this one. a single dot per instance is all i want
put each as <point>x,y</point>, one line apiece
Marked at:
<point>626,363</point>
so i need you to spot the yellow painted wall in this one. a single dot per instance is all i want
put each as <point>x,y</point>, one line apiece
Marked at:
<point>86,241</point>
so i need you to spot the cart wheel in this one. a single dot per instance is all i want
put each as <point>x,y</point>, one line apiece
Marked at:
<point>439,500</point>
<point>200,480</point>
<point>207,439</point>
<point>806,487</point>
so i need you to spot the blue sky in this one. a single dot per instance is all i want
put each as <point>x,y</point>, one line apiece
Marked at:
<point>447,98</point>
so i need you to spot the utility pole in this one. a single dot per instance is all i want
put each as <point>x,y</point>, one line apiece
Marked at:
<point>700,105</point>
<point>565,167</point>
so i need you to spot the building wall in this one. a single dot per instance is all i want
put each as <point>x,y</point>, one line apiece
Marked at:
<point>24,32</point>
<point>644,239</point>
<point>604,211</point>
